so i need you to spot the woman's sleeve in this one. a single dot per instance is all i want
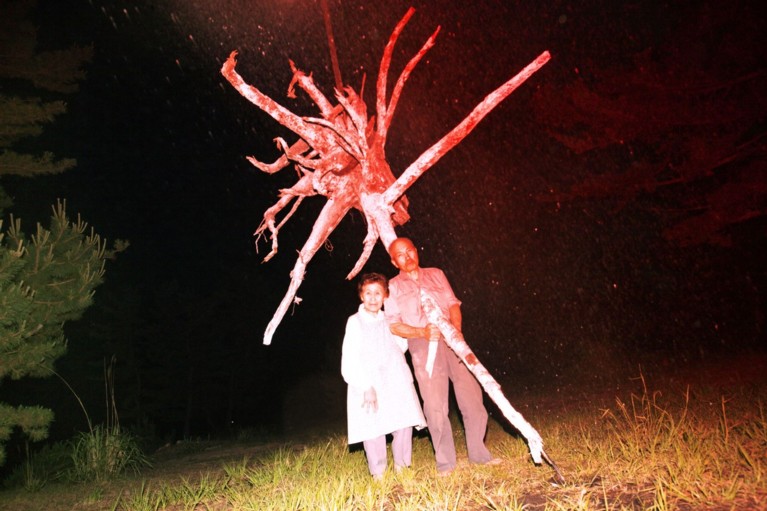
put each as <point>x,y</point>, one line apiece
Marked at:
<point>401,342</point>
<point>353,367</point>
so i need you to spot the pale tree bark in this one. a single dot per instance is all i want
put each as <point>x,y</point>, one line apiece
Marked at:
<point>341,156</point>
<point>454,339</point>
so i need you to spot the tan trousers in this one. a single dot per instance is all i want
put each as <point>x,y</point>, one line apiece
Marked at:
<point>435,393</point>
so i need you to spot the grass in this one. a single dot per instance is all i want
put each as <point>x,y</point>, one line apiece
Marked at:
<point>680,449</point>
<point>103,453</point>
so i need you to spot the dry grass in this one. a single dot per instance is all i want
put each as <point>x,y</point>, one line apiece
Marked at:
<point>679,448</point>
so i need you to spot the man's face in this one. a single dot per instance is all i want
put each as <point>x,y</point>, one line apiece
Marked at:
<point>404,256</point>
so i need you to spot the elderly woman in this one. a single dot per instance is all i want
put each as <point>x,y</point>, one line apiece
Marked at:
<point>381,397</point>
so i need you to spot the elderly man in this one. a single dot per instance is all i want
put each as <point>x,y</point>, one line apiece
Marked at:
<point>434,371</point>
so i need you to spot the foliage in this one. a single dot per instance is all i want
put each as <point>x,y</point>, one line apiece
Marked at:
<point>32,82</point>
<point>98,455</point>
<point>45,280</point>
<point>676,121</point>
<point>104,453</point>
<point>48,278</point>
<point>48,464</point>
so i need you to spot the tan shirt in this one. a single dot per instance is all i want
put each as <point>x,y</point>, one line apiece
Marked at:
<point>404,302</point>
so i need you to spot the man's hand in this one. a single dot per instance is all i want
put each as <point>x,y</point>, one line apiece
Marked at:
<point>370,400</point>
<point>432,332</point>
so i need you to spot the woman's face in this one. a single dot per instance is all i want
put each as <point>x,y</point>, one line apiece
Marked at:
<point>372,297</point>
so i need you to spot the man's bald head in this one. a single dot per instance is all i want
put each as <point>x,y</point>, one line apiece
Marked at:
<point>404,255</point>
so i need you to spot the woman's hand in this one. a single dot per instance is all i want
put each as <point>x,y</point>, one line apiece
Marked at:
<point>370,400</point>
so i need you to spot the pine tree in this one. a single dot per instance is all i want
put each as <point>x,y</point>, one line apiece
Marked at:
<point>45,281</point>
<point>33,84</point>
<point>48,278</point>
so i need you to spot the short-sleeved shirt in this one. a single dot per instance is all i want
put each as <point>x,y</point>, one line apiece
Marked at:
<point>404,302</point>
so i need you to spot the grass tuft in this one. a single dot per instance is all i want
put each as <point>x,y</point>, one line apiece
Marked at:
<point>651,450</point>
<point>105,453</point>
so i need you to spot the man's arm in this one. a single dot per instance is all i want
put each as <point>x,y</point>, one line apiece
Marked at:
<point>408,331</point>
<point>429,331</point>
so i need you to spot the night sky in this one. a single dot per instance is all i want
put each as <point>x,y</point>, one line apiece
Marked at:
<point>553,291</point>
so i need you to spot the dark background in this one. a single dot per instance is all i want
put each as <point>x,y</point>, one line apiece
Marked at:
<point>555,293</point>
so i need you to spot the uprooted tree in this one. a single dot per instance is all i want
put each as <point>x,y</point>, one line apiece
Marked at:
<point>341,155</point>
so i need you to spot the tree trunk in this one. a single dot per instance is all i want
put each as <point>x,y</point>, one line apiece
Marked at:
<point>454,339</point>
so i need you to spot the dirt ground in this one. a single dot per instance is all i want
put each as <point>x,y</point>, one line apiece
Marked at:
<point>723,374</point>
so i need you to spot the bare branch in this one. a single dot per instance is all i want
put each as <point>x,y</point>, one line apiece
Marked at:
<point>367,245</point>
<point>295,123</point>
<point>446,143</point>
<point>383,69</point>
<point>329,218</point>
<point>384,121</point>
<point>345,140</point>
<point>303,188</point>
<point>307,83</point>
<point>298,148</point>
<point>380,214</point>
<point>356,110</point>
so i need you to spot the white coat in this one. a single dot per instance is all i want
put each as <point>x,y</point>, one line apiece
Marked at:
<point>372,357</point>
